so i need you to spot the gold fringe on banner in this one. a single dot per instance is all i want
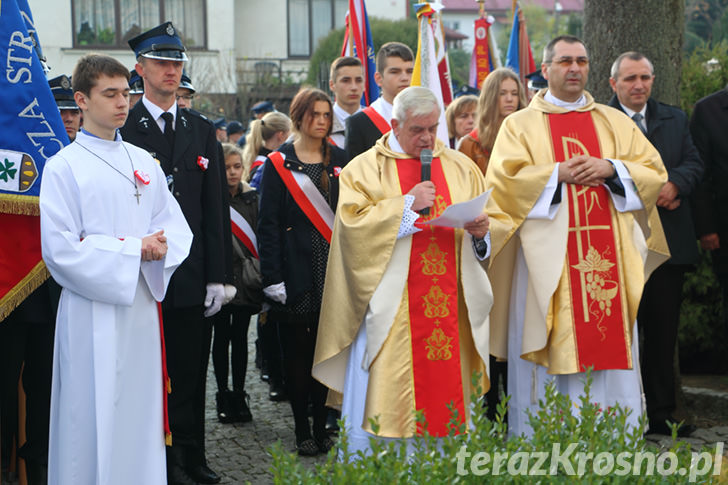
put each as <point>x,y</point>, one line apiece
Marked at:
<point>23,289</point>
<point>24,205</point>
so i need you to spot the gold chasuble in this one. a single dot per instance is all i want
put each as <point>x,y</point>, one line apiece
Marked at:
<point>423,300</point>
<point>588,264</point>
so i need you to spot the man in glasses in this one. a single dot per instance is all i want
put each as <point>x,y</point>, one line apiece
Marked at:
<point>580,181</point>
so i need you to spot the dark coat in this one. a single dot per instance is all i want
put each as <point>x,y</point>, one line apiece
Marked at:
<point>284,231</point>
<point>710,118</point>
<point>197,191</point>
<point>245,202</point>
<point>667,130</point>
<point>361,134</point>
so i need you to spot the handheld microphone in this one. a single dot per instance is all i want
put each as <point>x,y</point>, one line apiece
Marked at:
<point>426,164</point>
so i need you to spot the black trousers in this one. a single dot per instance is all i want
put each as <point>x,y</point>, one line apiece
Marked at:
<point>26,343</point>
<point>298,342</point>
<point>270,345</point>
<point>658,319</point>
<point>187,336</point>
<point>231,330</point>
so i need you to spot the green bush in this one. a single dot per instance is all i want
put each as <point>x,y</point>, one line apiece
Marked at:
<point>701,78</point>
<point>458,458</point>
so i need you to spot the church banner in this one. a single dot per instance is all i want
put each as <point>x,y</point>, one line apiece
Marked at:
<point>428,67</point>
<point>32,132</point>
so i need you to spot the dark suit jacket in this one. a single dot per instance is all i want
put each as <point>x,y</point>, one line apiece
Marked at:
<point>197,191</point>
<point>361,134</point>
<point>667,130</point>
<point>708,125</point>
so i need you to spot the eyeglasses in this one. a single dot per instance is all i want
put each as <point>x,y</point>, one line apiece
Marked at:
<point>568,61</point>
<point>186,97</point>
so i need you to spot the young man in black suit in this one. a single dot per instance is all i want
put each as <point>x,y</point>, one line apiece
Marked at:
<point>666,127</point>
<point>185,144</point>
<point>395,63</point>
<point>710,117</point>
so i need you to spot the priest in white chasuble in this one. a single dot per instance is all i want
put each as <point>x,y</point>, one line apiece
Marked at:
<point>111,235</point>
<point>580,181</point>
<point>404,319</point>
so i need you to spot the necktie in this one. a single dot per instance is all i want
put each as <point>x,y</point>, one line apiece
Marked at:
<point>168,129</point>
<point>637,117</point>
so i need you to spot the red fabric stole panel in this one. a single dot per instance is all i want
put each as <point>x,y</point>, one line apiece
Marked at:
<point>432,286</point>
<point>593,257</point>
<point>166,382</point>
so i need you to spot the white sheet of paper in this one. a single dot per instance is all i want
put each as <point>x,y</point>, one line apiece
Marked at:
<point>457,215</point>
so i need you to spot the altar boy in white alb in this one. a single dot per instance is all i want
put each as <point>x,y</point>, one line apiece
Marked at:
<point>112,235</point>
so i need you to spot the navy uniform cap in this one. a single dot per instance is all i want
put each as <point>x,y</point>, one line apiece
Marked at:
<point>136,83</point>
<point>219,123</point>
<point>263,107</point>
<point>62,92</point>
<point>186,82</point>
<point>161,42</point>
<point>235,127</point>
<point>536,80</point>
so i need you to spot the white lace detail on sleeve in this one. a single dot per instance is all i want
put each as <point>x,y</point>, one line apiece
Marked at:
<point>407,226</point>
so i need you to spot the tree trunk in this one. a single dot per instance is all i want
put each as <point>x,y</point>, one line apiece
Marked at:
<point>653,27</point>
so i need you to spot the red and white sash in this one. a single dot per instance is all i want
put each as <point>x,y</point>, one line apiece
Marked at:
<point>243,231</point>
<point>378,120</point>
<point>257,162</point>
<point>307,196</point>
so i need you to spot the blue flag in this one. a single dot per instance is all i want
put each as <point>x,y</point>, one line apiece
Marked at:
<point>358,43</point>
<point>32,126</point>
<point>32,131</point>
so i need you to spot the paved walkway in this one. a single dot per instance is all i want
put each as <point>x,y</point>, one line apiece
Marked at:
<point>239,451</point>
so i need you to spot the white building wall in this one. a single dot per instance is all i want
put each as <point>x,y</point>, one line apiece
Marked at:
<point>463,23</point>
<point>212,71</point>
<point>387,9</point>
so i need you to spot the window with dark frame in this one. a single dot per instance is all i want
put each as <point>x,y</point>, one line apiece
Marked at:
<point>311,20</point>
<point>109,24</point>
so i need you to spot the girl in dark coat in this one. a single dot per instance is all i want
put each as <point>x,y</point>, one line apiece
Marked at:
<point>231,323</point>
<point>294,251</point>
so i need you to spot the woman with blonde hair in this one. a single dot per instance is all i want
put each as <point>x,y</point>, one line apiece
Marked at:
<point>502,94</point>
<point>265,136</point>
<point>460,117</point>
<point>231,323</point>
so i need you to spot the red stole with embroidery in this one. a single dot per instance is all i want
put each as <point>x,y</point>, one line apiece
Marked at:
<point>432,286</point>
<point>597,305</point>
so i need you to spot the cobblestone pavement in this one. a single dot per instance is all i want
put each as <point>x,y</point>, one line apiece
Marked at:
<point>239,452</point>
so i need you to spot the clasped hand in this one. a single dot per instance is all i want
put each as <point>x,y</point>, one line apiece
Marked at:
<point>585,170</point>
<point>154,246</point>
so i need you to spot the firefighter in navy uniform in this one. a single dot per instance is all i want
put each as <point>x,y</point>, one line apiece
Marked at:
<point>186,147</point>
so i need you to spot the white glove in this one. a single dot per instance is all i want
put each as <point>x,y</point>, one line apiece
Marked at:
<point>214,298</point>
<point>230,292</point>
<point>276,292</point>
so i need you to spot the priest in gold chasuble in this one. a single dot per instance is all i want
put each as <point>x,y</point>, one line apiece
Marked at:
<point>580,182</point>
<point>404,319</point>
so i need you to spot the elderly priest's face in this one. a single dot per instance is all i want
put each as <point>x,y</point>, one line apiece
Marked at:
<point>416,133</point>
